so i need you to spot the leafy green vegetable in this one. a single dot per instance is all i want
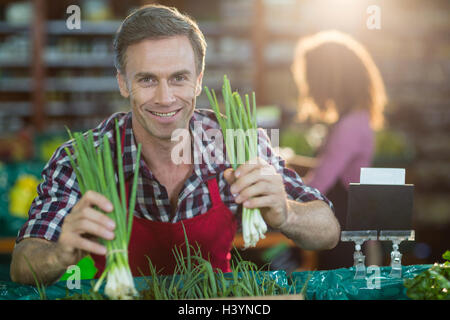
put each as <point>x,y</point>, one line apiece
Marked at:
<point>432,284</point>
<point>39,285</point>
<point>94,169</point>
<point>446,255</point>
<point>195,278</point>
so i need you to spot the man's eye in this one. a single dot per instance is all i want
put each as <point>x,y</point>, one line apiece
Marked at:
<point>180,77</point>
<point>147,79</point>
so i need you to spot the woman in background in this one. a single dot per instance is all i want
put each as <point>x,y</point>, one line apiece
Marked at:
<point>339,84</point>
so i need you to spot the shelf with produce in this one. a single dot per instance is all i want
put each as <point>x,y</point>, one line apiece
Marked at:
<point>14,63</point>
<point>89,84</point>
<point>60,49</point>
<point>59,27</point>
<point>79,123</point>
<point>79,108</point>
<point>21,108</point>
<point>10,28</point>
<point>108,28</point>
<point>74,84</point>
<point>107,61</point>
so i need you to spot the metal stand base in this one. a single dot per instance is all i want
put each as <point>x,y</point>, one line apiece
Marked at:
<point>397,237</point>
<point>359,237</point>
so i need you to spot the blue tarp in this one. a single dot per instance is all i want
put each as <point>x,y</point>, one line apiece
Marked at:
<point>338,284</point>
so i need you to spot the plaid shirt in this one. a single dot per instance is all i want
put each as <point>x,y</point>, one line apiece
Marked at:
<point>59,191</point>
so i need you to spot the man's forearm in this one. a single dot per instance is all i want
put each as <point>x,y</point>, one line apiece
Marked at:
<point>311,225</point>
<point>43,257</point>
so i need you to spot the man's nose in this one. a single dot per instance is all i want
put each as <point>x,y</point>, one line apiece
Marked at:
<point>164,94</point>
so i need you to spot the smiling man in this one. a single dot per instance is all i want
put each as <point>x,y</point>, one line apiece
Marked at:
<point>160,63</point>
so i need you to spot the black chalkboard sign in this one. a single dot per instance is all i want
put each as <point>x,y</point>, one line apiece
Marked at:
<point>379,207</point>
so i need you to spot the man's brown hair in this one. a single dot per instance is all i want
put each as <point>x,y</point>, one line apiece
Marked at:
<point>157,22</point>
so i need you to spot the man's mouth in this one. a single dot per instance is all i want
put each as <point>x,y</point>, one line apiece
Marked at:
<point>164,115</point>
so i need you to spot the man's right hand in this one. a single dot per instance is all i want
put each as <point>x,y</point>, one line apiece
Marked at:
<point>83,225</point>
<point>79,233</point>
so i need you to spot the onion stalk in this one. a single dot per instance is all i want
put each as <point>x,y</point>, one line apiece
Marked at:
<point>95,171</point>
<point>240,132</point>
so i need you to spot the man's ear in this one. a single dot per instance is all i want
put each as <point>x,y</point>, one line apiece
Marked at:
<point>122,85</point>
<point>198,86</point>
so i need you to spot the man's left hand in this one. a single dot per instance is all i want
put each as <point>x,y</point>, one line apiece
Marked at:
<point>256,184</point>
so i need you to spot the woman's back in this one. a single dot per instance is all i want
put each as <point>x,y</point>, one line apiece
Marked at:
<point>348,147</point>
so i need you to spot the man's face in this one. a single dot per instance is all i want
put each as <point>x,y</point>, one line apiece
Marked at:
<point>162,84</point>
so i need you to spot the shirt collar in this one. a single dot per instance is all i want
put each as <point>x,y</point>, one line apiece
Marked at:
<point>208,160</point>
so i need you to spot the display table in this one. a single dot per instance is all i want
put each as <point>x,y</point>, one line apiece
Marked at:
<point>339,284</point>
<point>335,284</point>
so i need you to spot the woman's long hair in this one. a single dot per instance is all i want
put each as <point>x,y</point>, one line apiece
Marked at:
<point>335,75</point>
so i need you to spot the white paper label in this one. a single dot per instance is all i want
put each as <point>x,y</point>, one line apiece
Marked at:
<point>382,176</point>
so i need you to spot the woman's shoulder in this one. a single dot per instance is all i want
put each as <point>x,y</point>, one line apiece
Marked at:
<point>352,129</point>
<point>355,116</point>
<point>354,121</point>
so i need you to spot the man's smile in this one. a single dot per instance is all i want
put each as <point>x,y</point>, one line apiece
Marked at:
<point>165,117</point>
<point>169,114</point>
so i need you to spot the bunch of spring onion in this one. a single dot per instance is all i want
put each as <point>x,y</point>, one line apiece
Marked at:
<point>240,132</point>
<point>195,278</point>
<point>95,171</point>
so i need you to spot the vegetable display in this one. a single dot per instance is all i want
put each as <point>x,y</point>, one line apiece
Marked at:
<point>432,284</point>
<point>240,132</point>
<point>22,195</point>
<point>94,170</point>
<point>195,278</point>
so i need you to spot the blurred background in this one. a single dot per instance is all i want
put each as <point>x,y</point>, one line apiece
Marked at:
<point>51,77</point>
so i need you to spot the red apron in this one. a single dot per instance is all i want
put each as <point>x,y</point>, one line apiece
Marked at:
<point>213,231</point>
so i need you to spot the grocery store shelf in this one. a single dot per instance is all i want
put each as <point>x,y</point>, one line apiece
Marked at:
<point>15,62</point>
<point>59,27</point>
<point>84,84</point>
<point>73,84</point>
<point>105,61</point>
<point>55,109</point>
<point>6,28</point>
<point>80,60</point>
<point>15,109</point>
<point>108,28</point>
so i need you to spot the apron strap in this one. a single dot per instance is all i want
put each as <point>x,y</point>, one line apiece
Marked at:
<point>214,191</point>
<point>212,182</point>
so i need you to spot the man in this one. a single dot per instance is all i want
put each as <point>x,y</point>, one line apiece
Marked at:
<point>160,62</point>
